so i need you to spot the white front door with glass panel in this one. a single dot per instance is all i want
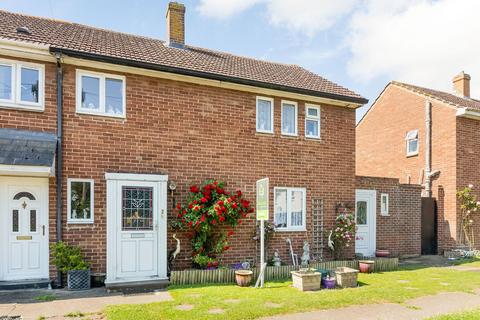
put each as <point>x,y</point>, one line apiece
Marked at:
<point>24,213</point>
<point>136,229</point>
<point>365,217</point>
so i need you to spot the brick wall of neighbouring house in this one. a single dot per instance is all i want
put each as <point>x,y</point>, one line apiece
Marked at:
<point>400,231</point>
<point>381,150</point>
<point>468,167</point>
<point>193,132</point>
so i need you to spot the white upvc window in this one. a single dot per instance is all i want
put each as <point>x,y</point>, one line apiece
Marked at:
<point>289,118</point>
<point>264,115</point>
<point>22,85</point>
<point>101,94</point>
<point>290,209</point>
<point>384,205</point>
<point>411,139</point>
<point>80,201</point>
<point>312,121</point>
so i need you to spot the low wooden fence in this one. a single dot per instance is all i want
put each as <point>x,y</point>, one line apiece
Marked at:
<point>271,273</point>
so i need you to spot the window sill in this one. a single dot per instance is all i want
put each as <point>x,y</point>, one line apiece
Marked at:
<point>290,230</point>
<point>21,107</point>
<point>80,222</point>
<point>103,115</point>
<point>264,132</point>
<point>313,138</point>
<point>385,214</point>
<point>290,135</point>
<point>412,155</point>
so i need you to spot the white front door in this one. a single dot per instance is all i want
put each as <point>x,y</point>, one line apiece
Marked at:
<point>365,217</point>
<point>24,213</point>
<point>136,228</point>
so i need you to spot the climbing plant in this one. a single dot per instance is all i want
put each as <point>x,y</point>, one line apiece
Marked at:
<point>469,207</point>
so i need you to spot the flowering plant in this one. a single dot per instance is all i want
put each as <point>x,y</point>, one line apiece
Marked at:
<point>208,210</point>
<point>343,232</point>
<point>469,206</point>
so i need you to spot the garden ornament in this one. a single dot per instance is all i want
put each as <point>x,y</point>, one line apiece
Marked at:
<point>306,253</point>
<point>173,254</point>
<point>277,261</point>
<point>330,241</point>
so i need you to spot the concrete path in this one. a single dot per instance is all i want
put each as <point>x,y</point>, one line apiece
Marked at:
<point>91,301</point>
<point>419,308</point>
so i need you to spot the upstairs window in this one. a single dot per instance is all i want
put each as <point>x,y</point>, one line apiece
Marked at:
<point>312,121</point>
<point>101,94</point>
<point>264,115</point>
<point>289,118</point>
<point>290,209</point>
<point>412,143</point>
<point>21,85</point>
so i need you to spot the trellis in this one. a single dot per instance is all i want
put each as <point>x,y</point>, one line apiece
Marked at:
<point>317,230</point>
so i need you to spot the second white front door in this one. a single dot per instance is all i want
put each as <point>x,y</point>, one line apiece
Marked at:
<point>136,229</point>
<point>365,217</point>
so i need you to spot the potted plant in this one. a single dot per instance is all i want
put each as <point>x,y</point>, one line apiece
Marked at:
<point>69,259</point>
<point>306,279</point>
<point>328,282</point>
<point>366,266</point>
<point>243,277</point>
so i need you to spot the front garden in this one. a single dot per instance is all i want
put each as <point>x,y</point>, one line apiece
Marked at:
<point>233,302</point>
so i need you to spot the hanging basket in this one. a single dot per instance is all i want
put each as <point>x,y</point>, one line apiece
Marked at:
<point>78,279</point>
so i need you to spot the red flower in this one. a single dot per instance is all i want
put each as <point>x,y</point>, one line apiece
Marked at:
<point>179,206</point>
<point>203,200</point>
<point>190,206</point>
<point>251,210</point>
<point>220,203</point>
<point>190,223</point>
<point>215,182</point>
<point>194,189</point>
<point>230,233</point>
<point>197,222</point>
<point>202,218</point>
<point>194,201</point>
<point>221,219</point>
<point>240,221</point>
<point>234,205</point>
<point>196,208</point>
<point>229,200</point>
<point>220,191</point>
<point>245,203</point>
<point>239,193</point>
<point>214,222</point>
<point>226,248</point>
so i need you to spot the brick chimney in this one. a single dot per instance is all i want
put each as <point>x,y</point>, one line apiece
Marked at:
<point>461,84</point>
<point>176,24</point>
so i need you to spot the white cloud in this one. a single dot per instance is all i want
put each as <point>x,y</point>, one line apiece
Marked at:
<point>304,16</point>
<point>421,42</point>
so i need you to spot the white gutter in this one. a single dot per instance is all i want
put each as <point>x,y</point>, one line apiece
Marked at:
<point>29,171</point>
<point>468,113</point>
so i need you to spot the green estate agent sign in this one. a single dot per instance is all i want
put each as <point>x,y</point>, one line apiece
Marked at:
<point>262,199</point>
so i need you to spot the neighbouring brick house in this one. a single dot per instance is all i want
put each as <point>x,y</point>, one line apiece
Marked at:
<point>392,139</point>
<point>139,114</point>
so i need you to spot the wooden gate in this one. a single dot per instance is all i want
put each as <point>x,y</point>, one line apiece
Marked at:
<point>429,226</point>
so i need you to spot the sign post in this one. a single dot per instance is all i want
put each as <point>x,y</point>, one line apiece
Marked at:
<point>262,216</point>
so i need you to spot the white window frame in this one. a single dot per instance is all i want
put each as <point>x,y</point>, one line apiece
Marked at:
<point>71,220</point>
<point>272,107</point>
<point>312,118</point>
<point>295,104</point>
<point>101,91</point>
<point>384,210</point>
<point>15,102</point>
<point>289,227</point>
<point>412,153</point>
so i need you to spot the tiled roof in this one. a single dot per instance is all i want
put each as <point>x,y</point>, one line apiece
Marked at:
<point>125,47</point>
<point>457,101</point>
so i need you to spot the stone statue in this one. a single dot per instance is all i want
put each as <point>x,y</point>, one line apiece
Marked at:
<point>277,261</point>
<point>306,253</point>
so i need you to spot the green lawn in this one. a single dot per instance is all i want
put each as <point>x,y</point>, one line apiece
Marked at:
<point>465,315</point>
<point>280,297</point>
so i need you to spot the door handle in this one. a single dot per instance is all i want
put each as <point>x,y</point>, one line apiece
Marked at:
<point>43,230</point>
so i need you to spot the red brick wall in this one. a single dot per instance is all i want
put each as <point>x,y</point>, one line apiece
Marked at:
<point>381,149</point>
<point>400,231</point>
<point>193,132</point>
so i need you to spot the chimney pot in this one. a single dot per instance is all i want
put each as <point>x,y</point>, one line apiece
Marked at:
<point>461,84</point>
<point>176,24</point>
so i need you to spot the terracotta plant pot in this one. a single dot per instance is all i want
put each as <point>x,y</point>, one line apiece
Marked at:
<point>243,277</point>
<point>366,266</point>
<point>382,253</point>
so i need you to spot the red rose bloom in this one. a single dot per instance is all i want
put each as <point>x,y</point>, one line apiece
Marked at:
<point>214,222</point>
<point>190,206</point>
<point>230,233</point>
<point>194,189</point>
<point>215,182</point>
<point>190,223</point>
<point>179,206</point>
<point>239,193</point>
<point>220,203</point>
<point>203,218</point>
<point>203,200</point>
<point>234,205</point>
<point>221,219</point>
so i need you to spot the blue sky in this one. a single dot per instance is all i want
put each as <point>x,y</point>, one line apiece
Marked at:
<point>360,44</point>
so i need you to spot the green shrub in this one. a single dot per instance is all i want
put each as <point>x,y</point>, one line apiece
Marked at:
<point>67,257</point>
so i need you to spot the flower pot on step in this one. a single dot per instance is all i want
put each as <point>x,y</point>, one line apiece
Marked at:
<point>78,279</point>
<point>366,266</point>
<point>243,277</point>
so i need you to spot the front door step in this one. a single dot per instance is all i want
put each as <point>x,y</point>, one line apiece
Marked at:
<point>25,284</point>
<point>137,286</point>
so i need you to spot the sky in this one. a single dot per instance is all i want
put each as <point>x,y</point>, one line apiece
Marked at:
<point>359,44</point>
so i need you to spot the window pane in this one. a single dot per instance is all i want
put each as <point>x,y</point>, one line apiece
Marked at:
<point>15,221</point>
<point>264,116</point>
<point>33,220</point>
<point>311,128</point>
<point>90,93</point>
<point>29,85</point>
<point>6,82</point>
<point>80,200</point>
<point>114,96</point>
<point>288,119</point>
<point>296,217</point>
<point>412,146</point>
<point>312,112</point>
<point>281,208</point>
<point>361,212</point>
<point>137,208</point>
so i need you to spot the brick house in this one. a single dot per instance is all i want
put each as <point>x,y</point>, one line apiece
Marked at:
<point>93,122</point>
<point>392,141</point>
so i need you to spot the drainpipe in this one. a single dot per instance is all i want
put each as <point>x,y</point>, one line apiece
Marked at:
<point>428,149</point>
<point>59,163</point>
